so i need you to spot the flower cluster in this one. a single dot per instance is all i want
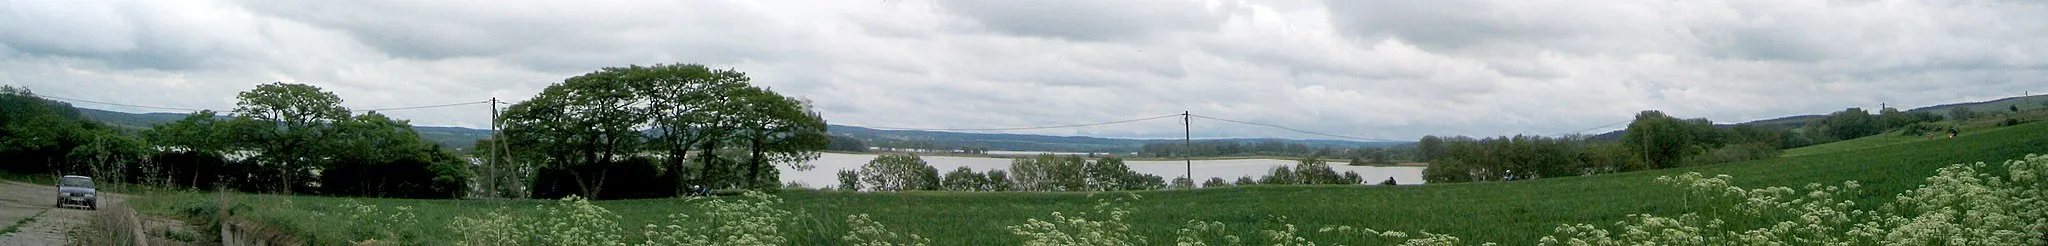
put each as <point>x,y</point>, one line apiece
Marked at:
<point>1199,233</point>
<point>1106,228</point>
<point>1961,205</point>
<point>574,221</point>
<point>752,220</point>
<point>1422,238</point>
<point>371,222</point>
<point>494,228</point>
<point>863,231</point>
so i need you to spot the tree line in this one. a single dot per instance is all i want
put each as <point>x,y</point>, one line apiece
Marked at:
<point>1652,140</point>
<point>281,138</point>
<point>623,132</point>
<point>1048,173</point>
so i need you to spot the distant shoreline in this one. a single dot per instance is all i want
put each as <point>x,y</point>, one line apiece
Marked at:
<point>1334,162</point>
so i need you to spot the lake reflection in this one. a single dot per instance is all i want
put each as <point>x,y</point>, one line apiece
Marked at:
<point>828,166</point>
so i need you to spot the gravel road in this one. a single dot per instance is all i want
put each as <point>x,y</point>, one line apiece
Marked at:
<point>46,223</point>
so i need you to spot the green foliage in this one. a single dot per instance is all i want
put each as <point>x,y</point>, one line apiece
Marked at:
<point>297,121</point>
<point>1961,114</point>
<point>965,179</point>
<point>1049,173</point>
<point>1852,123</point>
<point>1429,148</point>
<point>899,172</point>
<point>737,132</point>
<point>1110,174</point>
<point>1216,182</point>
<point>1316,172</point>
<point>1280,175</point>
<point>848,144</point>
<point>1181,183</point>
<point>999,180</point>
<point>849,180</point>
<point>1735,153</point>
<point>1510,158</point>
<point>1662,141</point>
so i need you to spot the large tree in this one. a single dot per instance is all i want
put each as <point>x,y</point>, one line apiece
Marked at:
<point>777,130</point>
<point>1659,139</point>
<point>708,126</point>
<point>579,126</point>
<point>302,116</point>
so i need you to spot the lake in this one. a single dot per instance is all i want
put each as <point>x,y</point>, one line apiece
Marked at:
<point>829,164</point>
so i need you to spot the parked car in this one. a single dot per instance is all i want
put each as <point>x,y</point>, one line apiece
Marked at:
<point>77,190</point>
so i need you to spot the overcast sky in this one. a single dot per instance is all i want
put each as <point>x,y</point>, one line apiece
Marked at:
<point>1372,69</point>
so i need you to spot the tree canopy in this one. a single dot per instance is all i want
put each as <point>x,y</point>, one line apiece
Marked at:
<point>709,127</point>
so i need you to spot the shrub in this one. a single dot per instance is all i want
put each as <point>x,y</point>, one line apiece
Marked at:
<point>1736,153</point>
<point>1215,182</point>
<point>899,173</point>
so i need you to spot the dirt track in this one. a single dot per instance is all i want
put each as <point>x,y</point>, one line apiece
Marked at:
<point>49,224</point>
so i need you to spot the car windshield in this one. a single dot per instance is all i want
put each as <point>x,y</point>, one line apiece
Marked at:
<point>78,182</point>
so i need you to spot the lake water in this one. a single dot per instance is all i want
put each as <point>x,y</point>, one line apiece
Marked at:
<point>828,166</point>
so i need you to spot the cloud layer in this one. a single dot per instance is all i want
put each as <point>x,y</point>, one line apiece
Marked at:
<point>1373,69</point>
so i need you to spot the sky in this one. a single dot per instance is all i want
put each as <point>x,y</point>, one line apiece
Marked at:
<point>1393,70</point>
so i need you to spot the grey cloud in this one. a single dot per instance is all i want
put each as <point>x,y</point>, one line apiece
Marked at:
<point>556,36</point>
<point>1383,69</point>
<point>1083,20</point>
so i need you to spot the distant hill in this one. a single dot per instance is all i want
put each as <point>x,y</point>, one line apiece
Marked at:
<point>1029,142</point>
<point>2003,104</point>
<point>1796,121</point>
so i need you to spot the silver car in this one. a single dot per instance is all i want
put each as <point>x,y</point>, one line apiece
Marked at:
<point>77,190</point>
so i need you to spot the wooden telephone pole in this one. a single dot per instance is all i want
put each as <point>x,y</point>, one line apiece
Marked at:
<point>497,153</point>
<point>1187,144</point>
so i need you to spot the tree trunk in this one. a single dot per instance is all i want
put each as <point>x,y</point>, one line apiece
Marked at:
<point>581,184</point>
<point>678,157</point>
<point>754,163</point>
<point>710,164</point>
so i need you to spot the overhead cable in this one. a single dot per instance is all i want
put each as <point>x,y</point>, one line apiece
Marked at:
<point>1024,128</point>
<point>1292,129</point>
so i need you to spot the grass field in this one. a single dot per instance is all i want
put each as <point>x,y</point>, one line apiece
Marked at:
<point>1509,212</point>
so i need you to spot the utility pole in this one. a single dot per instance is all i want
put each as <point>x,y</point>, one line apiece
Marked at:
<point>1187,144</point>
<point>492,185</point>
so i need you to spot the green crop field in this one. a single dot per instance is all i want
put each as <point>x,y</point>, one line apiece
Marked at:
<point>1509,212</point>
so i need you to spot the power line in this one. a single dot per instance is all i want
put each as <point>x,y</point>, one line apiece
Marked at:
<point>197,110</point>
<point>422,107</point>
<point>1292,129</point>
<point>117,104</point>
<point>1023,128</point>
<point>1598,127</point>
